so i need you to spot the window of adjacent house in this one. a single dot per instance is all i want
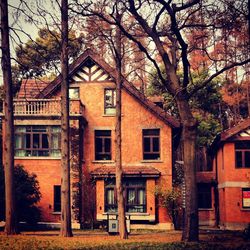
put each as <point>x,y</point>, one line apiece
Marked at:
<point>246,197</point>
<point>242,154</point>
<point>151,144</point>
<point>204,196</point>
<point>102,144</point>
<point>109,101</point>
<point>42,141</point>
<point>57,198</point>
<point>135,193</point>
<point>74,93</point>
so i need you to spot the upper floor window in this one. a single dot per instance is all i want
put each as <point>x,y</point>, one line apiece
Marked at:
<point>109,101</point>
<point>103,144</point>
<point>74,93</point>
<point>204,196</point>
<point>242,154</point>
<point>151,144</point>
<point>38,141</point>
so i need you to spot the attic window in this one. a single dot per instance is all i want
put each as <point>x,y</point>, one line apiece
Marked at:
<point>73,93</point>
<point>109,101</point>
<point>242,154</point>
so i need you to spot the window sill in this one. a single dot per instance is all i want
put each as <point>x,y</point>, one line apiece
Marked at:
<point>205,209</point>
<point>56,213</point>
<point>106,115</point>
<point>37,158</point>
<point>104,161</point>
<point>245,209</point>
<point>155,161</point>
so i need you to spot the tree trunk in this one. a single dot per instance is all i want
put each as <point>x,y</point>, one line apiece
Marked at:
<point>65,161</point>
<point>118,153</point>
<point>8,150</point>
<point>189,126</point>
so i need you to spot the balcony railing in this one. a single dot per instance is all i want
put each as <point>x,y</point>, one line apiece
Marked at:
<point>46,107</point>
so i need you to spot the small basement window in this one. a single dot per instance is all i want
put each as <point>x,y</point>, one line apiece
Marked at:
<point>246,197</point>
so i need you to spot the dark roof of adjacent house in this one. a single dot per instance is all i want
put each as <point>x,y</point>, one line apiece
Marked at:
<point>51,88</point>
<point>231,133</point>
<point>30,88</point>
<point>128,171</point>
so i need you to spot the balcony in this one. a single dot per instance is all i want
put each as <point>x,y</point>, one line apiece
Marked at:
<point>45,107</point>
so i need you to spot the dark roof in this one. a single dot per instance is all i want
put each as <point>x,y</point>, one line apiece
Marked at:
<point>55,85</point>
<point>30,88</point>
<point>131,171</point>
<point>229,134</point>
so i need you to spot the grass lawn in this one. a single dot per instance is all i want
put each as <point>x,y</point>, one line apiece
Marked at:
<point>137,240</point>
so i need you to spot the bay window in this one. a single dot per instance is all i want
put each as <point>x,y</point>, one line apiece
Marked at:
<point>41,141</point>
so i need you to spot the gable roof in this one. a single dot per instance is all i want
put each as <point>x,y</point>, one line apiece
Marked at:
<point>30,88</point>
<point>242,130</point>
<point>88,56</point>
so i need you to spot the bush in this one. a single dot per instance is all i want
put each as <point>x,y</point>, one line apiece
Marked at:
<point>27,195</point>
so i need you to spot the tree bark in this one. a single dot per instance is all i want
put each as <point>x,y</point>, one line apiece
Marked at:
<point>189,127</point>
<point>66,230</point>
<point>8,150</point>
<point>118,154</point>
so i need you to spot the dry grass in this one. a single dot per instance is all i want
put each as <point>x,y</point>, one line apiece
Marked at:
<point>101,240</point>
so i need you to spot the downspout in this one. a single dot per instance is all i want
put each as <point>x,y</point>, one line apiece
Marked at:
<point>216,194</point>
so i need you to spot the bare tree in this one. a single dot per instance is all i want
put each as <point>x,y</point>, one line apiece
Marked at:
<point>118,148</point>
<point>8,149</point>
<point>66,230</point>
<point>166,24</point>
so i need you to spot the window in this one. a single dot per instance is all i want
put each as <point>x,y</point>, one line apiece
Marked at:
<point>204,196</point>
<point>135,196</point>
<point>57,198</point>
<point>242,154</point>
<point>109,101</point>
<point>151,144</point>
<point>103,145</point>
<point>246,197</point>
<point>135,193</point>
<point>37,141</point>
<point>74,93</point>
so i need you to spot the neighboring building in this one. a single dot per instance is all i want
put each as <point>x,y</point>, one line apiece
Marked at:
<point>147,145</point>
<point>224,190</point>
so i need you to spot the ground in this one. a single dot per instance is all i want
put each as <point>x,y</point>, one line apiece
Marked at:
<point>137,240</point>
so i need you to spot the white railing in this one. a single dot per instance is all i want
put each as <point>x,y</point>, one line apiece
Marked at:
<point>44,107</point>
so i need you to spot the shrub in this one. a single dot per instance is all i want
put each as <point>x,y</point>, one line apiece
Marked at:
<point>27,195</point>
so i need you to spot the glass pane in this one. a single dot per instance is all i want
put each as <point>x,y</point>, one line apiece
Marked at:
<point>156,147</point>
<point>98,145</point>
<point>45,141</point>
<point>151,131</point>
<point>55,153</point>
<point>110,196</point>
<point>107,142</point>
<point>102,133</point>
<point>110,111</point>
<point>18,141</point>
<point>36,141</point>
<point>238,156</point>
<point>39,128</point>
<point>141,197</point>
<point>148,156</point>
<point>73,93</point>
<point>131,196</point>
<point>55,141</point>
<point>242,145</point>
<point>27,141</point>
<point>247,159</point>
<point>146,144</point>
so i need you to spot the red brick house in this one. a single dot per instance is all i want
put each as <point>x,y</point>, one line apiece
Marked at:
<point>224,190</point>
<point>147,145</point>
